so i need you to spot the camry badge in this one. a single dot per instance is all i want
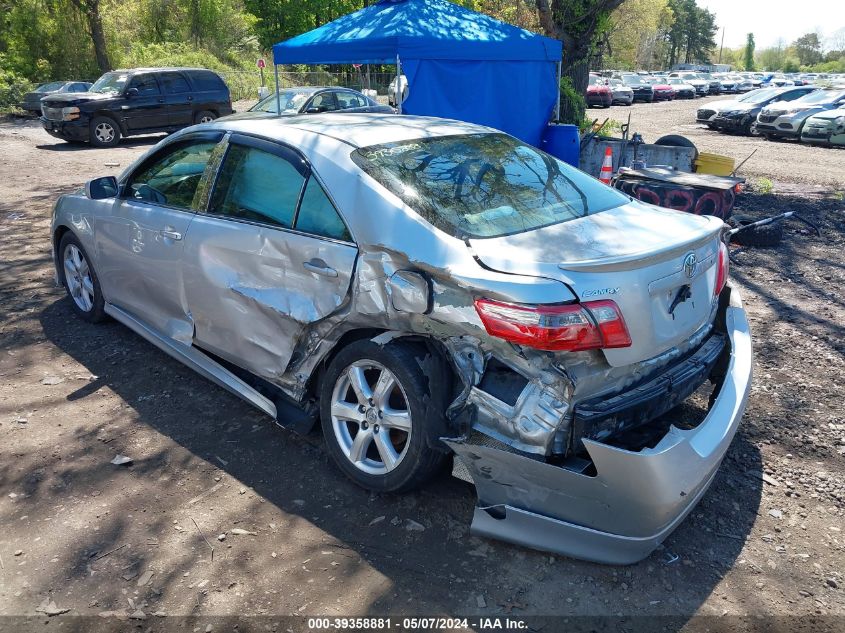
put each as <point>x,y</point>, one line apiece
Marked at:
<point>690,265</point>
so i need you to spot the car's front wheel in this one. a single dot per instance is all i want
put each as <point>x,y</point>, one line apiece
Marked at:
<point>80,280</point>
<point>380,420</point>
<point>104,132</point>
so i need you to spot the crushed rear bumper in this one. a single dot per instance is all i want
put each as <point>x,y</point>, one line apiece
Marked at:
<point>634,500</point>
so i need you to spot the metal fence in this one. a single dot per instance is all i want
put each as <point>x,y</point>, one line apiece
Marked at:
<point>244,84</point>
<point>358,79</point>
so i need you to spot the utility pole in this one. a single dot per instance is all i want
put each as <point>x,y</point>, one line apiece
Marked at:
<point>722,46</point>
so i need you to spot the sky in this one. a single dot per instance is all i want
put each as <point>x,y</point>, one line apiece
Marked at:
<point>773,19</point>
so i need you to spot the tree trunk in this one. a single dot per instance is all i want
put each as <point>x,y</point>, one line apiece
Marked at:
<point>91,10</point>
<point>99,38</point>
<point>578,25</point>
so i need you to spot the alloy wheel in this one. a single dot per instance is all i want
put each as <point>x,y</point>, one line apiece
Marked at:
<point>371,418</point>
<point>104,132</point>
<point>78,278</point>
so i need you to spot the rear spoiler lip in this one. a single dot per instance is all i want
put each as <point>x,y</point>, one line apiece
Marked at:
<point>620,262</point>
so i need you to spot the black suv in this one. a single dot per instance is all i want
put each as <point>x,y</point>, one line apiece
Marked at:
<point>137,101</point>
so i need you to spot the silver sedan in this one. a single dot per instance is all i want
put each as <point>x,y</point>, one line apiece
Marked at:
<point>432,292</point>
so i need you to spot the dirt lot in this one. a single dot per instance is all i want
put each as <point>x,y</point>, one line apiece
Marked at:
<point>161,536</point>
<point>787,162</point>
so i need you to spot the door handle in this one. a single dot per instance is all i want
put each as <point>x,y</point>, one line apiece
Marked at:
<point>172,235</point>
<point>320,267</point>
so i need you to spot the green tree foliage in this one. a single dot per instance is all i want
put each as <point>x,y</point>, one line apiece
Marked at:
<point>692,35</point>
<point>633,39</point>
<point>808,49</point>
<point>749,52</point>
<point>772,58</point>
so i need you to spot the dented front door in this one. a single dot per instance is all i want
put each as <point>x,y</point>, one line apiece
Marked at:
<point>252,282</point>
<point>139,241</point>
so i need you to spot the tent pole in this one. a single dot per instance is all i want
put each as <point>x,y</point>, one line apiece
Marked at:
<point>557,103</point>
<point>278,95</point>
<point>398,84</point>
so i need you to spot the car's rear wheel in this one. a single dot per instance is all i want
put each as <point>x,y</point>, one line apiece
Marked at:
<point>104,132</point>
<point>80,280</point>
<point>206,116</point>
<point>380,421</point>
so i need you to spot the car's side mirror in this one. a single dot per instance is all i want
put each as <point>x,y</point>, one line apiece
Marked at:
<point>132,92</point>
<point>101,188</point>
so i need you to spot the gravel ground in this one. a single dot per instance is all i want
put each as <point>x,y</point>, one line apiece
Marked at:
<point>222,513</point>
<point>787,161</point>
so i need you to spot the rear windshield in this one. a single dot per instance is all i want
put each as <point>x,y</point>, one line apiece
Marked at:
<point>485,185</point>
<point>822,96</point>
<point>56,85</point>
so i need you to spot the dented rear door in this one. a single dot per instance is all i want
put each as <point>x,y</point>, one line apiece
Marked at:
<point>254,283</point>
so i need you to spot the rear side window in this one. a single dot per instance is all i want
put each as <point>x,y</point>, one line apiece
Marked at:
<point>485,185</point>
<point>317,214</point>
<point>347,100</point>
<point>174,83</point>
<point>205,81</point>
<point>258,186</point>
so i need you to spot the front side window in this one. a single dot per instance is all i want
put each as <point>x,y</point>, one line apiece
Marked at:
<point>323,102</point>
<point>258,186</point>
<point>172,179</point>
<point>145,85</point>
<point>317,214</point>
<point>485,185</point>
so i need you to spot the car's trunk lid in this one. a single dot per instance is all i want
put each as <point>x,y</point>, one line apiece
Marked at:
<point>637,255</point>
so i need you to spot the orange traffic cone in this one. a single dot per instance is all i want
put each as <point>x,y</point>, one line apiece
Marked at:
<point>606,172</point>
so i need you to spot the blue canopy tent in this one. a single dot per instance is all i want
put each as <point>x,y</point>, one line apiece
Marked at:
<point>459,64</point>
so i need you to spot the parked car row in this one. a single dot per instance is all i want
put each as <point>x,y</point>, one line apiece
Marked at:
<point>628,87</point>
<point>807,113</point>
<point>123,103</point>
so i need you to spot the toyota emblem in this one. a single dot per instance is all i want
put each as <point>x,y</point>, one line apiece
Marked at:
<point>690,264</point>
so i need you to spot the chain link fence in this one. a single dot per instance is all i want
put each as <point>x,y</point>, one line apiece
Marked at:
<point>244,84</point>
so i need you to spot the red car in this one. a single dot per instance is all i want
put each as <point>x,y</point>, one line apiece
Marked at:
<point>599,93</point>
<point>662,90</point>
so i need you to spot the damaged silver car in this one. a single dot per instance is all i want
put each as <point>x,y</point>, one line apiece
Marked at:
<point>433,292</point>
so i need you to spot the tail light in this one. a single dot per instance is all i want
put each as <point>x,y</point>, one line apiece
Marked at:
<point>722,269</point>
<point>570,328</point>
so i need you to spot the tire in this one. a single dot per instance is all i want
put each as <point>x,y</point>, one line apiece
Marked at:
<point>80,280</point>
<point>408,459</point>
<point>675,140</point>
<point>761,236</point>
<point>104,132</point>
<point>205,116</point>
